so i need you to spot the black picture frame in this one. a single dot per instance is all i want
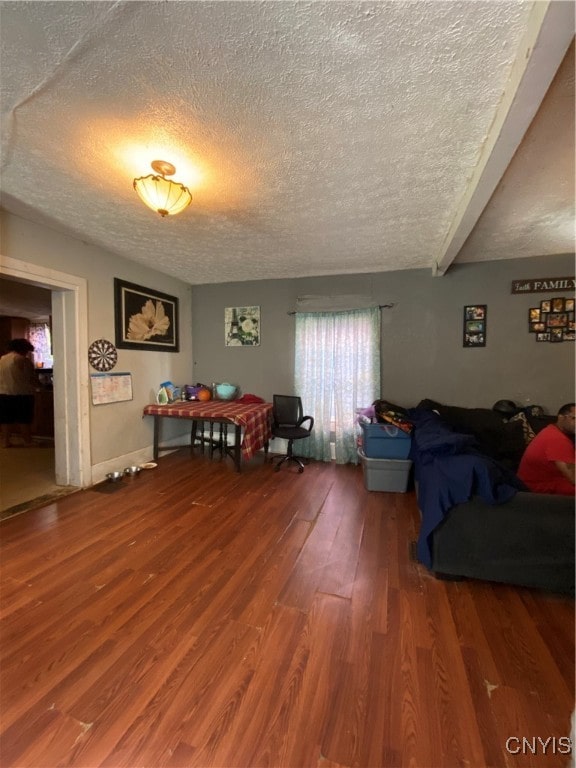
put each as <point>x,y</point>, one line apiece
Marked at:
<point>145,319</point>
<point>474,334</point>
<point>556,334</point>
<point>538,327</point>
<point>557,320</point>
<point>543,336</point>
<point>534,315</point>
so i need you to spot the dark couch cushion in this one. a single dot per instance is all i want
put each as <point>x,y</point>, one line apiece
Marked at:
<point>529,541</point>
<point>539,422</point>
<point>511,445</point>
<point>521,418</point>
<point>497,438</point>
<point>471,419</point>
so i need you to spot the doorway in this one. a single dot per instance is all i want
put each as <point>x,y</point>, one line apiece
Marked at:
<point>27,471</point>
<point>72,465</point>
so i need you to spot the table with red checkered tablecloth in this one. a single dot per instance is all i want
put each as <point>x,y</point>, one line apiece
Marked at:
<point>253,419</point>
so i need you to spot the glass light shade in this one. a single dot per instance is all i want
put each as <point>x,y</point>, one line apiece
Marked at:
<point>162,195</point>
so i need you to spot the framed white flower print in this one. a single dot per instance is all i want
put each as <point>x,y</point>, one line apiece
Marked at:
<point>145,319</point>
<point>242,326</point>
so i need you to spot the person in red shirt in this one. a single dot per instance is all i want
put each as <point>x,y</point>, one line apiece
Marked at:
<point>547,465</point>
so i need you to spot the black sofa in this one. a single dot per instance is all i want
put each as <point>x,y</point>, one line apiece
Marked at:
<point>478,520</point>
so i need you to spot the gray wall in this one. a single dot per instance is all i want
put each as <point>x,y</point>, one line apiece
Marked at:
<point>116,429</point>
<point>422,352</point>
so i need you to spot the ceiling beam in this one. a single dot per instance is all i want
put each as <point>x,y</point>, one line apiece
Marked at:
<point>549,33</point>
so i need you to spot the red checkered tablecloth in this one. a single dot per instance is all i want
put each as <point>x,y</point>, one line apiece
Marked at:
<point>254,418</point>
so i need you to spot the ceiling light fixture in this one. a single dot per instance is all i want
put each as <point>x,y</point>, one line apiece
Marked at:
<point>159,193</point>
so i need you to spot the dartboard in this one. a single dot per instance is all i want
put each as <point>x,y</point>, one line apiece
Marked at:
<point>102,355</point>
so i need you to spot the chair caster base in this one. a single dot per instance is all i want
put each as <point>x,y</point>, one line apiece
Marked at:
<point>288,458</point>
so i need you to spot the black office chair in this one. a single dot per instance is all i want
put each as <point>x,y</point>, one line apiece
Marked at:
<point>288,420</point>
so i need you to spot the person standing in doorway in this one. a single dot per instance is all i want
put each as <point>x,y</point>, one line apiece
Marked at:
<point>17,387</point>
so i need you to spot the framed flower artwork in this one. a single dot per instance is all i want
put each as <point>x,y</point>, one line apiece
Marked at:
<point>242,326</point>
<point>145,319</point>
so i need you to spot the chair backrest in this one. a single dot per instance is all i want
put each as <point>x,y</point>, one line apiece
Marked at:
<point>287,410</point>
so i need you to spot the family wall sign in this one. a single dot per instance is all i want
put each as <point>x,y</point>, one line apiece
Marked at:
<point>544,285</point>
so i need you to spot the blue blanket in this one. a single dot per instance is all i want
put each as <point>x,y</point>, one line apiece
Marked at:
<point>450,470</point>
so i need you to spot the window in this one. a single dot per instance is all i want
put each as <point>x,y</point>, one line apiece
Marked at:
<point>40,338</point>
<point>337,370</point>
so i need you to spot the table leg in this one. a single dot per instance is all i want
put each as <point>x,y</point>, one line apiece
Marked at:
<point>156,437</point>
<point>237,452</point>
<point>211,439</point>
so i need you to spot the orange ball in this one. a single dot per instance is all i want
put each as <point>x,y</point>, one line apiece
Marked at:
<point>204,394</point>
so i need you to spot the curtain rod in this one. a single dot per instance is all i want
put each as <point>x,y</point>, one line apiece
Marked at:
<point>380,306</point>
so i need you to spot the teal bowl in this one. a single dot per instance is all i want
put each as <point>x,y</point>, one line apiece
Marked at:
<point>226,391</point>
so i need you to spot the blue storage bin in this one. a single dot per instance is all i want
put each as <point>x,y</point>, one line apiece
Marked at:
<point>385,441</point>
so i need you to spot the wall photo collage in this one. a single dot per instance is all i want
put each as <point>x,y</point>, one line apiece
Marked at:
<point>553,320</point>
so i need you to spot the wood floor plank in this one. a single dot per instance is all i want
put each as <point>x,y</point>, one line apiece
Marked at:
<point>520,718</point>
<point>265,584</point>
<point>339,572</point>
<point>524,659</point>
<point>459,730</point>
<point>298,741</point>
<point>210,677</point>
<point>481,691</point>
<point>381,743</point>
<point>278,664</point>
<point>201,618</point>
<point>301,588</point>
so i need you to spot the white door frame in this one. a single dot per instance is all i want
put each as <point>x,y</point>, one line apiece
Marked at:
<point>70,342</point>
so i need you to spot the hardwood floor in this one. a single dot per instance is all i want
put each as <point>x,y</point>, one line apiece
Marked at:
<point>199,618</point>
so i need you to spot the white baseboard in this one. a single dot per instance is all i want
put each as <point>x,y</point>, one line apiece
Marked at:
<point>118,463</point>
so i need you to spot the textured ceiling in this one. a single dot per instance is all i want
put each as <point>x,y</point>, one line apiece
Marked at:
<point>317,138</point>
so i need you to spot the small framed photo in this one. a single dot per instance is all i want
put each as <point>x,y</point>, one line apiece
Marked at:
<point>475,325</point>
<point>569,305</point>
<point>537,327</point>
<point>556,334</point>
<point>568,335</point>
<point>558,304</point>
<point>534,315</point>
<point>543,337</point>
<point>546,305</point>
<point>475,312</point>
<point>145,319</point>
<point>557,320</point>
